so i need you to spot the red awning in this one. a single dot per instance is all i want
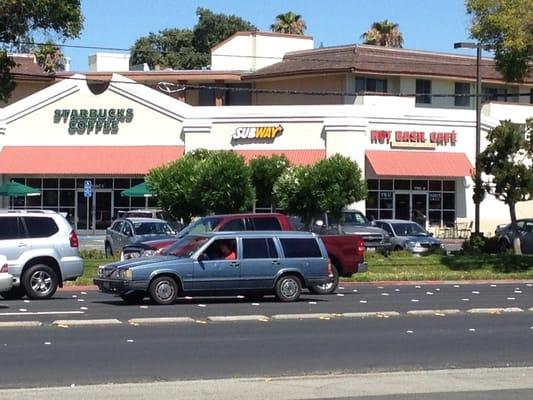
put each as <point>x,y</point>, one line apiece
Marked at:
<point>296,157</point>
<point>85,160</point>
<point>419,163</point>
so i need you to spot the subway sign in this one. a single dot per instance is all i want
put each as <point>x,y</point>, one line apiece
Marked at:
<point>92,121</point>
<point>257,133</point>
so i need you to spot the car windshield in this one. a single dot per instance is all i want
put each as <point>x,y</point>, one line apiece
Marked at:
<point>202,225</point>
<point>408,229</point>
<point>186,247</point>
<point>355,218</point>
<point>152,228</point>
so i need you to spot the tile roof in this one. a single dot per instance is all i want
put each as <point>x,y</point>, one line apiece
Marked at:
<point>377,60</point>
<point>27,68</point>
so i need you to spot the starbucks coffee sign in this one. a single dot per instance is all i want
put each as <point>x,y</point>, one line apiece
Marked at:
<point>93,121</point>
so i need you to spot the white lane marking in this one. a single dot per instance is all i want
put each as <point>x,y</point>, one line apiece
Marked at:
<point>511,298</point>
<point>465,299</point>
<point>355,290</point>
<point>256,304</point>
<point>340,294</point>
<point>417,287</point>
<point>430,293</point>
<point>22,310</point>
<point>143,307</point>
<point>232,318</point>
<point>475,292</point>
<point>384,294</point>
<point>84,308</point>
<point>341,287</point>
<point>240,297</point>
<point>493,285</point>
<point>86,322</point>
<point>363,301</point>
<point>161,320</point>
<point>518,291</point>
<point>312,302</point>
<point>437,289</point>
<point>472,330</point>
<point>202,305</point>
<point>130,341</point>
<point>381,287</point>
<point>74,296</point>
<point>26,301</point>
<point>83,292</point>
<point>20,324</point>
<point>396,290</point>
<point>42,313</point>
<point>47,343</point>
<point>456,286</point>
<point>414,300</point>
<point>409,331</point>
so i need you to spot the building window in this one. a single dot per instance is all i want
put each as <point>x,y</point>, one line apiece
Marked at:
<point>462,94</point>
<point>494,94</point>
<point>370,85</point>
<point>423,91</point>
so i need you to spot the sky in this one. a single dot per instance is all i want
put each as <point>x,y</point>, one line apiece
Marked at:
<point>426,24</point>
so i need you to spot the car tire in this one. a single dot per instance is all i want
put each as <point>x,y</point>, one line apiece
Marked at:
<point>504,246</point>
<point>15,293</point>
<point>40,281</point>
<point>163,290</point>
<point>288,288</point>
<point>327,288</point>
<point>108,250</point>
<point>397,248</point>
<point>133,297</point>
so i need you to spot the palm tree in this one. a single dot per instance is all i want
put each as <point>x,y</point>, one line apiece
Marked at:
<point>290,23</point>
<point>384,33</point>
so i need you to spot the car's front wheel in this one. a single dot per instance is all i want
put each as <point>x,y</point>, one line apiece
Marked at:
<point>288,288</point>
<point>40,281</point>
<point>133,297</point>
<point>163,290</point>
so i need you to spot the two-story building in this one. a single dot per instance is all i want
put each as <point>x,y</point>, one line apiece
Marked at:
<point>406,117</point>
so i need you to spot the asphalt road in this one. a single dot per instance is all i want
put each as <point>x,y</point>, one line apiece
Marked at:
<point>50,356</point>
<point>349,298</point>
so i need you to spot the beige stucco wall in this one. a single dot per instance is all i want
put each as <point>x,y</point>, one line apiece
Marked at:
<point>318,83</point>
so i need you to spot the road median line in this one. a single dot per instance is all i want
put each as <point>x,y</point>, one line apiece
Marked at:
<point>282,317</point>
<point>235,318</point>
<point>20,324</point>
<point>160,320</point>
<point>495,310</point>
<point>86,322</point>
<point>437,313</point>
<point>371,314</point>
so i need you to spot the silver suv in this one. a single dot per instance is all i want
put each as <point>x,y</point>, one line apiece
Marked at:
<point>42,252</point>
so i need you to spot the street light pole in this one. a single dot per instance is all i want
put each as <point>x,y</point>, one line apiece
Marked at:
<point>477,175</point>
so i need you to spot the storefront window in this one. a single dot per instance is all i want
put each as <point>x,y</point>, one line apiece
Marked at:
<point>51,183</point>
<point>402,184</point>
<point>435,200</point>
<point>385,184</point>
<point>67,183</point>
<point>80,182</point>
<point>50,198</point>
<point>103,184</point>
<point>448,186</point>
<point>34,183</point>
<point>33,201</point>
<point>372,184</point>
<point>448,201</point>
<point>122,183</point>
<point>435,185</point>
<point>137,202</point>
<point>66,198</point>
<point>372,200</point>
<point>419,185</point>
<point>121,201</point>
<point>386,200</point>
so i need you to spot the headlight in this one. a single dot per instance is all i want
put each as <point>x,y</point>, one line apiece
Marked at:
<point>412,245</point>
<point>125,273</point>
<point>101,271</point>
<point>386,238</point>
<point>148,253</point>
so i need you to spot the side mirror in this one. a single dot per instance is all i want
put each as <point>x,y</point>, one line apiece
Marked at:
<point>431,234</point>
<point>203,257</point>
<point>373,223</point>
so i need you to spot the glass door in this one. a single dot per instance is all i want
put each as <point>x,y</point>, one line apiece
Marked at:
<point>402,205</point>
<point>419,208</point>
<point>102,209</point>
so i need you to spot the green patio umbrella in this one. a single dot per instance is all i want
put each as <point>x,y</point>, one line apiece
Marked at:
<point>15,189</point>
<point>140,190</point>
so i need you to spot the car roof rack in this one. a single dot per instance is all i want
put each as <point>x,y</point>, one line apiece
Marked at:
<point>26,211</point>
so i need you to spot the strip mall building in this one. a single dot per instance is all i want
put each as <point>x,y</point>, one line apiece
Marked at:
<point>416,159</point>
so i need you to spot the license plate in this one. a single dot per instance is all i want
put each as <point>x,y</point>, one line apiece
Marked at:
<point>371,249</point>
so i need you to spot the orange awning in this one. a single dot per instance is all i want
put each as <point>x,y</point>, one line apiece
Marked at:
<point>419,163</point>
<point>296,157</point>
<point>85,160</point>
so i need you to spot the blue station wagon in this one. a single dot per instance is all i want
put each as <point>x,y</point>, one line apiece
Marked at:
<point>224,263</point>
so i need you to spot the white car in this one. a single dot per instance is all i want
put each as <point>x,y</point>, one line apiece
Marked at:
<point>6,280</point>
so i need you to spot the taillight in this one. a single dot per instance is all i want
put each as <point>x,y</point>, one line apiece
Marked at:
<point>74,242</point>
<point>361,248</point>
<point>4,268</point>
<point>330,268</point>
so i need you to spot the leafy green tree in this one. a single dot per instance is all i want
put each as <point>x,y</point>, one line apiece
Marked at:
<point>169,48</point>
<point>20,18</point>
<point>49,57</point>
<point>384,33</point>
<point>214,28</point>
<point>265,172</point>
<point>186,48</point>
<point>224,183</point>
<point>507,160</point>
<point>329,185</point>
<point>506,27</point>
<point>203,182</point>
<point>290,23</point>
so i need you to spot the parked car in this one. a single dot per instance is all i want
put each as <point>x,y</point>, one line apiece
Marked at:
<point>6,279</point>
<point>150,213</point>
<point>42,252</point>
<point>408,235</point>
<point>346,252</point>
<point>223,263</point>
<point>525,233</point>
<point>354,222</point>
<point>131,230</point>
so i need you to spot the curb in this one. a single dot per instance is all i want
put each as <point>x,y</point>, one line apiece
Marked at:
<point>437,313</point>
<point>371,314</point>
<point>497,310</point>
<point>284,317</point>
